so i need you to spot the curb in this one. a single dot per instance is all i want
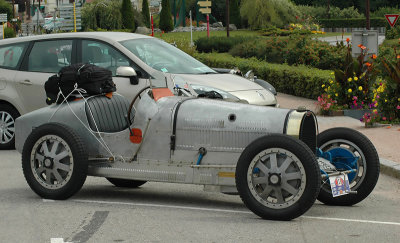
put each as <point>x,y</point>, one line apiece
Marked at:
<point>390,168</point>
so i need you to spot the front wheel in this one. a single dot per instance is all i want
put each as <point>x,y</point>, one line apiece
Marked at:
<point>54,161</point>
<point>344,142</point>
<point>277,177</point>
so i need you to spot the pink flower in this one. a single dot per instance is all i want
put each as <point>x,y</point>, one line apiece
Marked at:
<point>354,97</point>
<point>384,118</point>
<point>398,107</point>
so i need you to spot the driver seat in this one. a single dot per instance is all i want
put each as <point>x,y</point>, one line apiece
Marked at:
<point>109,114</point>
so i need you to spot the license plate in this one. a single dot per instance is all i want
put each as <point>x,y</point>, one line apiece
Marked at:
<point>340,185</point>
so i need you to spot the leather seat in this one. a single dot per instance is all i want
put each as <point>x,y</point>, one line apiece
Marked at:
<point>109,114</point>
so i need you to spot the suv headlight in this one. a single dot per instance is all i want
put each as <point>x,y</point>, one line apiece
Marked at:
<point>199,89</point>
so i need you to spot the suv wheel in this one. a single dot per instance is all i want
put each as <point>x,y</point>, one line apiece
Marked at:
<point>8,114</point>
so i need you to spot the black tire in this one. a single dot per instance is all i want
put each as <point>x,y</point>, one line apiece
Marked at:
<point>8,114</point>
<point>363,182</point>
<point>69,160</point>
<point>299,157</point>
<point>126,183</point>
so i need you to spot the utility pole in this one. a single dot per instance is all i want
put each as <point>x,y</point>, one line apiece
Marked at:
<point>227,17</point>
<point>367,8</point>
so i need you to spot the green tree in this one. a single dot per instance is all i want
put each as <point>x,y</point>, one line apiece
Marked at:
<point>166,23</point>
<point>234,13</point>
<point>102,14</point>
<point>146,13</point>
<point>128,18</point>
<point>267,13</point>
<point>5,7</point>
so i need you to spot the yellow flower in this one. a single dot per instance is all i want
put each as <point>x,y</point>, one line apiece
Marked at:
<point>323,85</point>
<point>326,90</point>
<point>385,100</point>
<point>331,82</point>
<point>329,88</point>
<point>374,111</point>
<point>350,79</point>
<point>329,96</point>
<point>336,95</point>
<point>355,78</point>
<point>350,90</point>
<point>359,88</point>
<point>398,99</point>
<point>332,73</point>
<point>373,100</point>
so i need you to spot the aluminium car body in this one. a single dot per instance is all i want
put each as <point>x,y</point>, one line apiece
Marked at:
<point>27,62</point>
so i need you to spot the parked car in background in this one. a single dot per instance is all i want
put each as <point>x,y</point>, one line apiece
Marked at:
<point>27,62</point>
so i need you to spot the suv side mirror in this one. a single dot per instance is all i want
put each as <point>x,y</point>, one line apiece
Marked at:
<point>128,72</point>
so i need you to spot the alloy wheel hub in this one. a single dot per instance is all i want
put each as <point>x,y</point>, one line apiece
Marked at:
<point>274,179</point>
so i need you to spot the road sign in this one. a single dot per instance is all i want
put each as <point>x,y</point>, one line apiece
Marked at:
<point>205,7</point>
<point>3,18</point>
<point>204,3</point>
<point>205,10</point>
<point>392,19</point>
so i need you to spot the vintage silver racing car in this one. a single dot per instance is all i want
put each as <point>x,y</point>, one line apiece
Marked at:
<point>273,158</point>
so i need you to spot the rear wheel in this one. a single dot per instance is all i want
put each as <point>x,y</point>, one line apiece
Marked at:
<point>344,142</point>
<point>54,161</point>
<point>126,183</point>
<point>277,177</point>
<point>8,114</point>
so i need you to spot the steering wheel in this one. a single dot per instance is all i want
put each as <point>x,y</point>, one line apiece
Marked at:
<point>134,100</point>
<point>159,65</point>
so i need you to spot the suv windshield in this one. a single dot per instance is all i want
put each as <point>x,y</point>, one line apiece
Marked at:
<point>165,57</point>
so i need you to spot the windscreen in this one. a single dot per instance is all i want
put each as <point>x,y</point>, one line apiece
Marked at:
<point>164,57</point>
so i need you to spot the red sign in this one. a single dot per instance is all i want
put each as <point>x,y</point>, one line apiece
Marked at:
<point>392,18</point>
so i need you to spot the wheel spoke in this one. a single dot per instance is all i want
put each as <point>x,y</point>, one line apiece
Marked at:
<point>267,191</point>
<point>54,148</point>
<point>61,155</point>
<point>40,170</point>
<point>61,166</point>
<point>39,157</point>
<point>9,124</point>
<point>57,176</point>
<point>8,135</point>
<point>289,188</point>
<point>292,176</point>
<point>274,163</point>
<point>45,148</point>
<point>8,117</point>
<point>278,195</point>
<point>11,129</point>
<point>260,180</point>
<point>48,176</point>
<point>1,137</point>
<point>2,116</point>
<point>262,167</point>
<point>285,164</point>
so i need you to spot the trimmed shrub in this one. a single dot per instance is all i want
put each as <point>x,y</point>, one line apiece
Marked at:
<point>9,32</point>
<point>293,51</point>
<point>300,81</point>
<point>166,23</point>
<point>352,23</point>
<point>218,44</point>
<point>283,32</point>
<point>128,18</point>
<point>393,33</point>
<point>102,14</point>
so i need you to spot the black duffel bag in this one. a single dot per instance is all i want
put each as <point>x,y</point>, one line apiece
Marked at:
<point>93,79</point>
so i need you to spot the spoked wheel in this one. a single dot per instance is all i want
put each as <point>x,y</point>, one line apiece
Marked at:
<point>7,126</point>
<point>344,143</point>
<point>54,161</point>
<point>126,183</point>
<point>277,177</point>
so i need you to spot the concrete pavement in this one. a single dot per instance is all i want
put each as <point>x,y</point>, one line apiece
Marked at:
<point>385,138</point>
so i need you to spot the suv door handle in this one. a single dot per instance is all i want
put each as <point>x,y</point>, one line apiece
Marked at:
<point>26,82</point>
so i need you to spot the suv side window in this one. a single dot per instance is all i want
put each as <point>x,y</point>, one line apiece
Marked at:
<point>50,56</point>
<point>10,55</point>
<point>103,55</point>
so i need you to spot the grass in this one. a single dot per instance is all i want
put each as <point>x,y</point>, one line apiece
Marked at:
<point>179,36</point>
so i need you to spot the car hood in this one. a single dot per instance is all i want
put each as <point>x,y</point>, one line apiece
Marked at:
<point>238,86</point>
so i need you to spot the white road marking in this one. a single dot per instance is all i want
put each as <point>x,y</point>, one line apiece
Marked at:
<point>229,211</point>
<point>58,240</point>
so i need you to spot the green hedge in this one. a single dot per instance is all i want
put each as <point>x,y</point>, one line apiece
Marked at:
<point>218,43</point>
<point>9,32</point>
<point>295,80</point>
<point>352,23</point>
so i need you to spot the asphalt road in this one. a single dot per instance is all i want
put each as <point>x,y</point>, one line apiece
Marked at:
<point>159,212</point>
